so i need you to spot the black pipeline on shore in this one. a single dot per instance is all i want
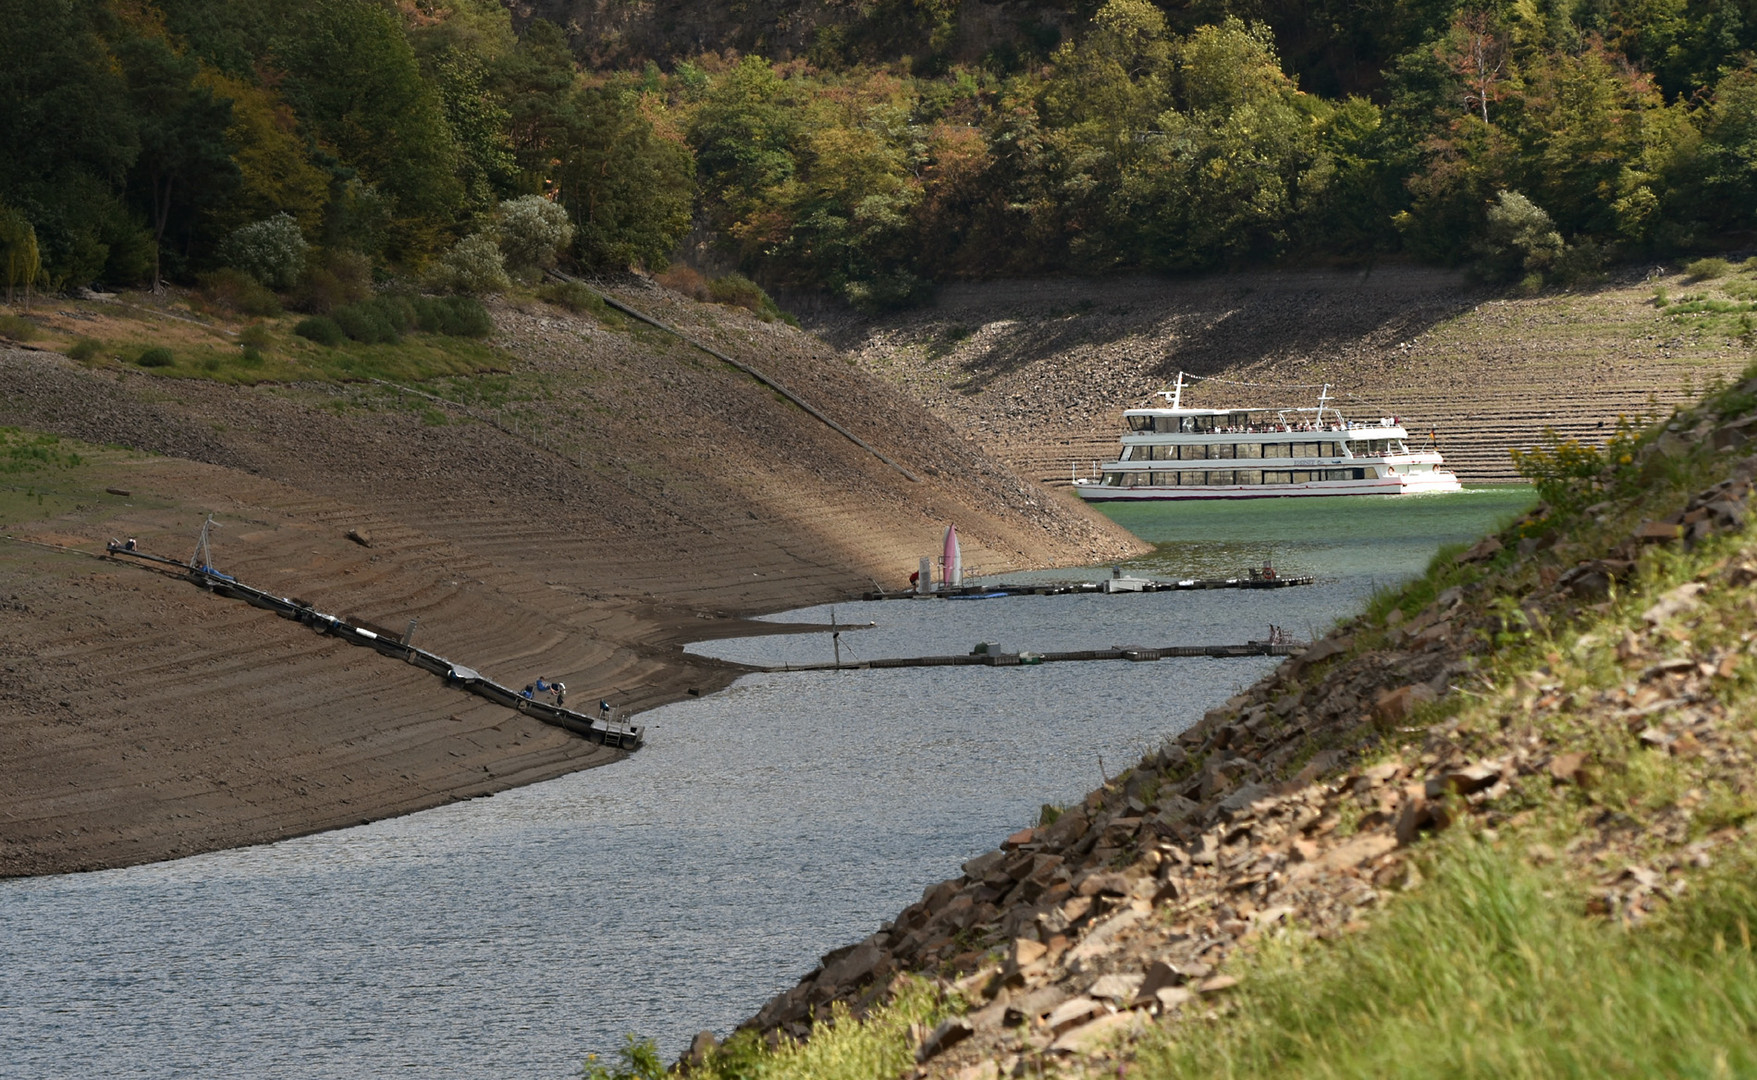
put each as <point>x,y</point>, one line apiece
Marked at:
<point>603,729</point>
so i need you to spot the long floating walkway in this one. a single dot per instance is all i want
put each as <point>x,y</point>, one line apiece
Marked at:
<point>1075,588</point>
<point>986,659</point>
<point>605,730</point>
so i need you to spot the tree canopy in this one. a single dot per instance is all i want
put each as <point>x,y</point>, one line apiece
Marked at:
<point>142,134</point>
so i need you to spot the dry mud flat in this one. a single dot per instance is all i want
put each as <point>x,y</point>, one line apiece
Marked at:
<point>621,496</point>
<point>1040,372</point>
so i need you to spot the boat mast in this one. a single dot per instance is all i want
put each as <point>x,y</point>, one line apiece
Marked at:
<point>1177,390</point>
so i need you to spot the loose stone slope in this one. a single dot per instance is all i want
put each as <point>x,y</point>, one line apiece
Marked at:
<point>1304,799</point>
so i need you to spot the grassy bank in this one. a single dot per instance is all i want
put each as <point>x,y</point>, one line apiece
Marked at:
<point>1493,969</point>
<point>1547,861</point>
<point>179,336</point>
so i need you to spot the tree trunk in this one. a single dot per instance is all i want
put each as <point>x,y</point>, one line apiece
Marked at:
<point>162,212</point>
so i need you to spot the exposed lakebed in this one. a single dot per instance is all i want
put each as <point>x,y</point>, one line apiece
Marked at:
<point>677,890</point>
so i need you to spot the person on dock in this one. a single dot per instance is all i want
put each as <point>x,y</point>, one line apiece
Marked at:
<point>526,693</point>
<point>560,689</point>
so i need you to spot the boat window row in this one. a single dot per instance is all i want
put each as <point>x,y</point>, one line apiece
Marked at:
<point>1227,422</point>
<point>1242,423</point>
<point>1211,477</point>
<point>1189,452</point>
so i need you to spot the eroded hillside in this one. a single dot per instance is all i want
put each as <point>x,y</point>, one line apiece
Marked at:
<point>580,499</point>
<point>1041,371</point>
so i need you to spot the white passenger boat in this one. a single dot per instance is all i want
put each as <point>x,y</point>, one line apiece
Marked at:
<point>1258,453</point>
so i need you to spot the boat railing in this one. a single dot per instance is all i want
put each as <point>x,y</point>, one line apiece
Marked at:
<point>1270,429</point>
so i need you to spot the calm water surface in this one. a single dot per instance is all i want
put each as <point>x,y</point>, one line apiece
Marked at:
<point>678,890</point>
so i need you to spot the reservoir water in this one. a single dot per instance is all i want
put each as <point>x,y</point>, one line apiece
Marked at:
<point>678,890</point>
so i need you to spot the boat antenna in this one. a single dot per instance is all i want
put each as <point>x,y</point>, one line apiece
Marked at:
<point>1176,393</point>
<point>203,559</point>
<point>1323,397</point>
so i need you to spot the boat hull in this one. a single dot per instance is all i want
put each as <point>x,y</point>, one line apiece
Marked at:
<point>1403,484</point>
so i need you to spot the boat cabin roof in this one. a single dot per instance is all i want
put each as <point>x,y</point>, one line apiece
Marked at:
<point>1195,412</point>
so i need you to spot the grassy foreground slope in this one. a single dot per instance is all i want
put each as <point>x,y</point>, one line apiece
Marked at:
<point>1501,823</point>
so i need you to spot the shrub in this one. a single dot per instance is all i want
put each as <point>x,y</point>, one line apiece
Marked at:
<point>342,277</point>
<point>1520,240</point>
<point>320,329</point>
<point>1570,474</point>
<point>740,291</point>
<point>384,319</point>
<point>254,336</point>
<point>579,299</point>
<point>473,266</point>
<point>16,328</point>
<point>533,232</point>
<point>235,290</point>
<point>455,316</point>
<point>685,280</point>
<point>893,291</point>
<point>271,251</point>
<point>365,322</point>
<point>1708,269</point>
<point>156,356</point>
<point>469,319</point>
<point>251,357</point>
<point>84,349</point>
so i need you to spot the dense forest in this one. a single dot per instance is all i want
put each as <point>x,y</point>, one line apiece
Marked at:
<point>310,143</point>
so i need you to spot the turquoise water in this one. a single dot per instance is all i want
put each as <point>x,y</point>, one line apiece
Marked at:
<point>677,890</point>
<point>1380,537</point>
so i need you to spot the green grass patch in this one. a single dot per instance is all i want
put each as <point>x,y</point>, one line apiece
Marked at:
<point>879,1047</point>
<point>581,300</point>
<point>1491,970</point>
<point>28,462</point>
<point>321,329</point>
<point>276,352</point>
<point>17,328</point>
<point>23,452</point>
<point>1709,306</point>
<point>1708,269</point>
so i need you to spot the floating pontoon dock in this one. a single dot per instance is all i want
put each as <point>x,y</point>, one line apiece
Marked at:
<point>988,659</point>
<point>1108,585</point>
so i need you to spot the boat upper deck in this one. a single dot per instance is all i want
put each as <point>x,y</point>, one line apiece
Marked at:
<point>1215,422</point>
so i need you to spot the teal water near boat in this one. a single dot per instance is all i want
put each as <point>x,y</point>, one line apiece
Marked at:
<point>1381,537</point>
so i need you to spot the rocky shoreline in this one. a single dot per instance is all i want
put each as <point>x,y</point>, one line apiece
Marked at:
<point>1304,801</point>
